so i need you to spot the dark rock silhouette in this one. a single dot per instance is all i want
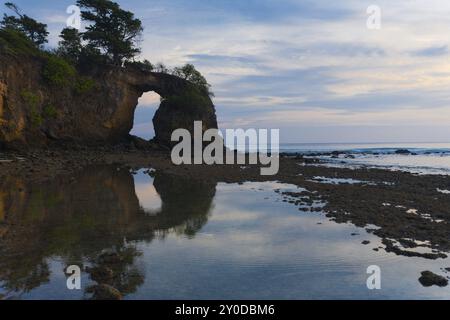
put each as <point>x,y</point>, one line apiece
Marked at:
<point>429,279</point>
<point>402,151</point>
<point>34,113</point>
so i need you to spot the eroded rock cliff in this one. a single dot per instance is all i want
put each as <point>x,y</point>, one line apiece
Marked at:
<point>39,105</point>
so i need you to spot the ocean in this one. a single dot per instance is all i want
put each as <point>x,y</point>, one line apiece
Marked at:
<point>421,158</point>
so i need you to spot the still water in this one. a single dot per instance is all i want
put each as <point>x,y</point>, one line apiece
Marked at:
<point>186,239</point>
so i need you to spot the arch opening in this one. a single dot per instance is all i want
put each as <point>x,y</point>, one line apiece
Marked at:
<point>143,115</point>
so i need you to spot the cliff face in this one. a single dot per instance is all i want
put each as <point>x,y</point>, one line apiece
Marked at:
<point>96,107</point>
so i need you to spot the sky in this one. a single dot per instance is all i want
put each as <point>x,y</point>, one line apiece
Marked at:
<point>311,68</point>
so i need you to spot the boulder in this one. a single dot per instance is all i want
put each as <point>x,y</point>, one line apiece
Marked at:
<point>402,151</point>
<point>429,279</point>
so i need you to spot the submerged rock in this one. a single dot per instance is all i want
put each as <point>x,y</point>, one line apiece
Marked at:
<point>403,151</point>
<point>429,279</point>
<point>104,292</point>
<point>101,274</point>
<point>110,258</point>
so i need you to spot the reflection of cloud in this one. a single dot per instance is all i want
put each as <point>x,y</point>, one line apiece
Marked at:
<point>259,231</point>
<point>149,198</point>
<point>234,216</point>
<point>276,252</point>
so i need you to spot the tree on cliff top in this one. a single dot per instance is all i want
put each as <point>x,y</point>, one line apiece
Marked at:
<point>112,30</point>
<point>34,30</point>
<point>70,46</point>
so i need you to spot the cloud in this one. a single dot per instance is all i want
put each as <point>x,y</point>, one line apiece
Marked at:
<point>432,51</point>
<point>274,62</point>
<point>216,58</point>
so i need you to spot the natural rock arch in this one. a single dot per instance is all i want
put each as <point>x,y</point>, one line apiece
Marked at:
<point>181,104</point>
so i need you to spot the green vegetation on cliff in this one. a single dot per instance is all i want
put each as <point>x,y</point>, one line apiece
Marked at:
<point>55,84</point>
<point>111,37</point>
<point>50,111</point>
<point>16,43</point>
<point>112,30</point>
<point>58,72</point>
<point>70,46</point>
<point>190,96</point>
<point>84,85</point>
<point>189,73</point>
<point>34,30</point>
<point>33,102</point>
<point>30,98</point>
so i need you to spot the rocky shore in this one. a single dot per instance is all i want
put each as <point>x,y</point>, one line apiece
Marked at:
<point>406,211</point>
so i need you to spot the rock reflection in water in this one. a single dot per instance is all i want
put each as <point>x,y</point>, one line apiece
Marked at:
<point>92,220</point>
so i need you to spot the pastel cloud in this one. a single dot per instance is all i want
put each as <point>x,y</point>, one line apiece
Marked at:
<point>314,63</point>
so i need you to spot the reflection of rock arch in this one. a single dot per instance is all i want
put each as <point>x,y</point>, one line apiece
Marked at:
<point>183,197</point>
<point>79,220</point>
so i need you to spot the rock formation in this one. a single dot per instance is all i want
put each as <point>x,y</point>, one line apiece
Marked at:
<point>95,106</point>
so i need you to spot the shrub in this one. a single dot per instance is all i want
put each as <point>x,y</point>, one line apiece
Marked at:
<point>34,30</point>
<point>50,111</point>
<point>141,65</point>
<point>189,73</point>
<point>191,97</point>
<point>161,68</point>
<point>58,72</point>
<point>36,117</point>
<point>70,46</point>
<point>147,65</point>
<point>16,43</point>
<point>84,85</point>
<point>30,98</point>
<point>33,102</point>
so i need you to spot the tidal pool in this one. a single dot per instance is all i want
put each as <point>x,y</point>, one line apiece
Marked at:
<point>175,238</point>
